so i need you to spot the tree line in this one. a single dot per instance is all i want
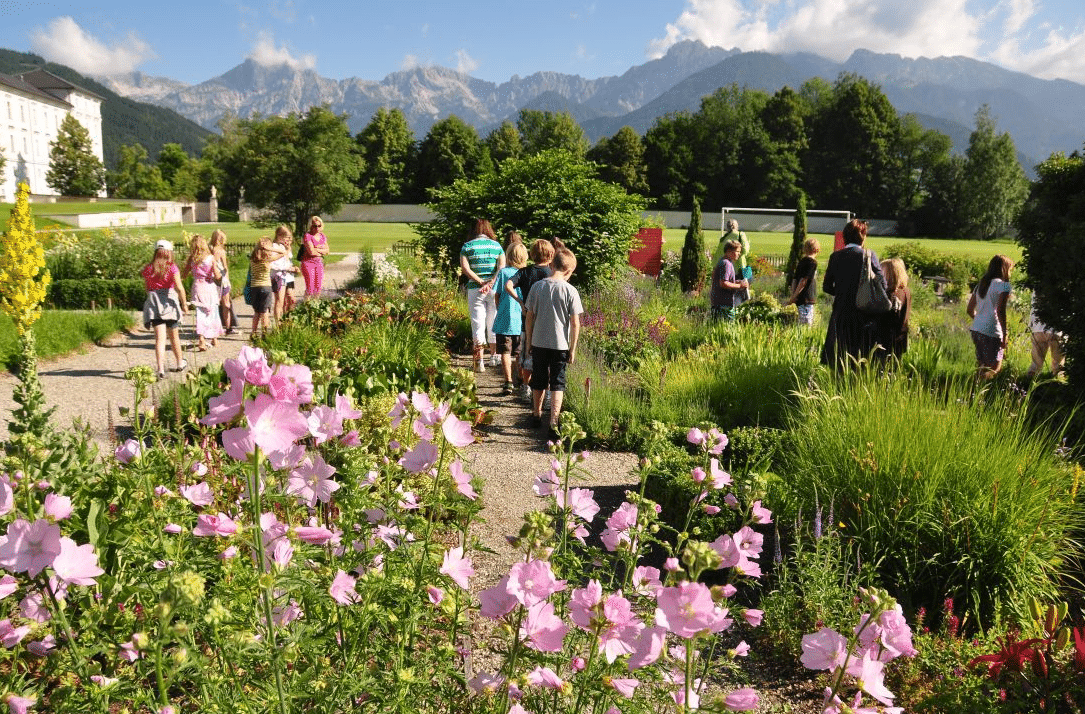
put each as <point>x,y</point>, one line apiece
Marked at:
<point>841,145</point>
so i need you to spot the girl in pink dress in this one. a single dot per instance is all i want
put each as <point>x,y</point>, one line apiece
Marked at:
<point>205,291</point>
<point>312,258</point>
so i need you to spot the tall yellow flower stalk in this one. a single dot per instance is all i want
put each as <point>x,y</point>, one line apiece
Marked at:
<point>23,284</point>
<point>24,280</point>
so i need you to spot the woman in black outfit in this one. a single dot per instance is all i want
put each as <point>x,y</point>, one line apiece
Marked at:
<point>852,333</point>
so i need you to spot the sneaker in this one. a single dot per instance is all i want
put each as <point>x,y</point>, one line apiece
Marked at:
<point>536,421</point>
<point>507,388</point>
<point>525,393</point>
<point>161,374</point>
<point>495,360</point>
<point>182,367</point>
<point>480,365</point>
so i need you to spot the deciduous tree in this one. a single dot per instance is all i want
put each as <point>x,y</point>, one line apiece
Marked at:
<point>388,148</point>
<point>450,151</point>
<point>553,193</point>
<point>994,186</point>
<point>504,143</point>
<point>1050,230</point>
<point>621,160</point>
<point>74,170</point>
<point>541,130</point>
<point>136,178</point>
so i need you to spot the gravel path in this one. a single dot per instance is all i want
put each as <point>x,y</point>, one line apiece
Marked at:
<point>85,387</point>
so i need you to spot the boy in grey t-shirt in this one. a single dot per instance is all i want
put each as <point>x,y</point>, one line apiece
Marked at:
<point>552,331</point>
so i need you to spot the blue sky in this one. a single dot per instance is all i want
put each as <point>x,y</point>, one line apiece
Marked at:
<point>196,40</point>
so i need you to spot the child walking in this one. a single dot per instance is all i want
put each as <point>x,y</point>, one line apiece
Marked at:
<point>508,324</point>
<point>519,287</point>
<point>553,330</point>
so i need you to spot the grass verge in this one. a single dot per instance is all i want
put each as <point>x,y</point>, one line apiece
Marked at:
<point>60,332</point>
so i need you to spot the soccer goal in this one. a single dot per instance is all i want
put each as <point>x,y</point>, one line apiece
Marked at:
<point>782,220</point>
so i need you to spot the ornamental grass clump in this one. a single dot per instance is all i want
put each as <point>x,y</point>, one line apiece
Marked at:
<point>949,492</point>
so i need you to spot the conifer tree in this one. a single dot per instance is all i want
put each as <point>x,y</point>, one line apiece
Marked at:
<point>797,238</point>
<point>691,273</point>
<point>74,170</point>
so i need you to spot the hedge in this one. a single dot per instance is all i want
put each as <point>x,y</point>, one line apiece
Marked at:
<point>126,294</point>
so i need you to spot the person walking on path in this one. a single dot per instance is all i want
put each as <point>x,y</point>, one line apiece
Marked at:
<point>205,291</point>
<point>226,303</point>
<point>553,330</point>
<point>508,325</point>
<point>164,306</point>
<point>480,260</point>
<point>311,254</point>
<point>519,287</point>
<point>282,274</point>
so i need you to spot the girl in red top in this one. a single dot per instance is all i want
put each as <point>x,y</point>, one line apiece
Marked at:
<point>164,305</point>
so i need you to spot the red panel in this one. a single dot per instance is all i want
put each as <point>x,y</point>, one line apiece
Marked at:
<point>647,254</point>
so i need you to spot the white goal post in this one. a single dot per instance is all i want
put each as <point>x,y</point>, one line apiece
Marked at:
<point>782,220</point>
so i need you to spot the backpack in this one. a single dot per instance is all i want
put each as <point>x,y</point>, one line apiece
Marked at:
<point>301,252</point>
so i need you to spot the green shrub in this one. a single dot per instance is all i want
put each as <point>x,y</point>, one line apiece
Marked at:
<point>927,262</point>
<point>951,493</point>
<point>109,253</point>
<point>79,294</point>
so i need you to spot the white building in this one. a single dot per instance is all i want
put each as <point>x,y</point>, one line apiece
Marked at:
<point>32,106</point>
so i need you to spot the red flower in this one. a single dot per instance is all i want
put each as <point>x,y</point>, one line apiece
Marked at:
<point>1012,656</point>
<point>1079,649</point>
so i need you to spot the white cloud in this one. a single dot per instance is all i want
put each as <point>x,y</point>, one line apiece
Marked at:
<point>1007,32</point>
<point>465,63</point>
<point>63,41</point>
<point>268,54</point>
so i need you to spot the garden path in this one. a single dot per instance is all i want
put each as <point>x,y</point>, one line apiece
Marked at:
<point>88,386</point>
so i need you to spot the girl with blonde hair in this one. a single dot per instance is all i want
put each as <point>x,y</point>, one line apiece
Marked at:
<point>282,274</point>
<point>217,244</point>
<point>260,261</point>
<point>312,257</point>
<point>893,325</point>
<point>205,291</point>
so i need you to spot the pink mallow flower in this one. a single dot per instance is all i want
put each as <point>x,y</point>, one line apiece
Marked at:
<point>225,407</point>
<point>542,629</point>
<point>544,677</point>
<point>76,564</point>
<point>218,525</point>
<point>421,458</point>
<point>741,700</point>
<point>8,585</point>
<point>11,635</point>
<point>30,547</point>
<point>625,686</point>
<point>457,567</point>
<point>312,481</point>
<point>824,649</point>
<point>457,432</point>
<point>317,535</point>
<point>718,476</point>
<point>462,479</point>
<point>291,383</point>
<point>58,507</point>
<point>496,602</point>
<point>198,494</point>
<point>581,503</point>
<point>342,589</point>
<point>17,704</point>
<point>250,366</point>
<point>533,582</point>
<point>687,610</point>
<point>760,514</point>
<point>324,423</point>
<point>127,452</point>
<point>273,426</point>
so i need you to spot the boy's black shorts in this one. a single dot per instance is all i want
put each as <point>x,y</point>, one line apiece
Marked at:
<point>549,368</point>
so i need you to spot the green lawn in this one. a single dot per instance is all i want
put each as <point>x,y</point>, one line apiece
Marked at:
<point>780,244</point>
<point>60,332</point>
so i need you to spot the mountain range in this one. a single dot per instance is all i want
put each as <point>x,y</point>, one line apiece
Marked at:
<point>1042,116</point>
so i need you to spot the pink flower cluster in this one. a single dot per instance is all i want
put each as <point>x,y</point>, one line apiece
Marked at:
<point>877,639</point>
